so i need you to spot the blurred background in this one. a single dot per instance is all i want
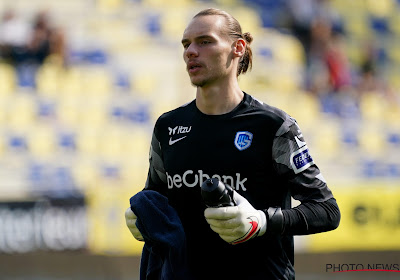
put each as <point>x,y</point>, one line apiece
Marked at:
<point>83,81</point>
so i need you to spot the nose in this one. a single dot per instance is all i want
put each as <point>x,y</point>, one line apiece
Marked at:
<point>191,51</point>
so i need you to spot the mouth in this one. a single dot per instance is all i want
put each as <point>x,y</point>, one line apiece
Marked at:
<point>193,67</point>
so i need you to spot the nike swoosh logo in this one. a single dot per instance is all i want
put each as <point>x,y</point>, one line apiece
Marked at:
<point>253,231</point>
<point>172,142</point>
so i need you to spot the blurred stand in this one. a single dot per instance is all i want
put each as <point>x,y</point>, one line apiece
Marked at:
<point>82,83</point>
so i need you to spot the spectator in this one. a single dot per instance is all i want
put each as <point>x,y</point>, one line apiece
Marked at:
<point>14,36</point>
<point>28,47</point>
<point>21,44</point>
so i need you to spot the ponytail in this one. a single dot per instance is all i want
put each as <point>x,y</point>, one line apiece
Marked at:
<point>246,60</point>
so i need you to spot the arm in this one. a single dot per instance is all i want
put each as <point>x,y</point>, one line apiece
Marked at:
<point>311,217</point>
<point>318,211</point>
<point>307,218</point>
<point>156,177</point>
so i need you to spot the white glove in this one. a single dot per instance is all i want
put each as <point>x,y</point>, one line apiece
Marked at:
<point>237,224</point>
<point>130,219</point>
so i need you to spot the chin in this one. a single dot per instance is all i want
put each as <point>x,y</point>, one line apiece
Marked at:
<point>199,83</point>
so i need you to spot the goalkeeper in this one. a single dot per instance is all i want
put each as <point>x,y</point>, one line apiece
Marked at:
<point>255,148</point>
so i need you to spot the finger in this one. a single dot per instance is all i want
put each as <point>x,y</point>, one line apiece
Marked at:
<point>230,223</point>
<point>225,231</point>
<point>138,236</point>
<point>129,214</point>
<point>222,213</point>
<point>131,223</point>
<point>136,232</point>
<point>228,238</point>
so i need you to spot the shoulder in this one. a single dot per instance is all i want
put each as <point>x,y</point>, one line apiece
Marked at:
<point>271,114</point>
<point>176,114</point>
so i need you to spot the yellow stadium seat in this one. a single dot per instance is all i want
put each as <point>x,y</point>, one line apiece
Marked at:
<point>110,143</point>
<point>228,3</point>
<point>289,50</point>
<point>72,81</point>
<point>88,142</point>
<point>41,141</point>
<point>394,22</point>
<point>249,19</point>
<point>326,140</point>
<point>107,228</point>
<point>144,83</point>
<point>97,81</point>
<point>5,102</point>
<point>159,108</point>
<point>92,111</point>
<point>372,140</point>
<point>48,79</point>
<point>394,79</point>
<point>68,110</point>
<point>381,8</point>
<point>284,48</point>
<point>165,4</point>
<point>394,54</point>
<point>7,80</point>
<point>86,173</point>
<point>304,107</point>
<point>173,23</point>
<point>2,145</point>
<point>136,143</point>
<point>358,26</point>
<point>347,7</point>
<point>134,174</point>
<point>373,106</point>
<point>23,110</point>
<point>391,115</point>
<point>109,5</point>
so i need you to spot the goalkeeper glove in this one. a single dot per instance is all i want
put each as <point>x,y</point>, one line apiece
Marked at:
<point>237,224</point>
<point>130,219</point>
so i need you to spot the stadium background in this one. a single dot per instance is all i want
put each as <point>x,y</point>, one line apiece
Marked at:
<point>75,127</point>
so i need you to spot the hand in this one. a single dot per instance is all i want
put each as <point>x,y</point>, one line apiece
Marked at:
<point>237,224</point>
<point>130,219</point>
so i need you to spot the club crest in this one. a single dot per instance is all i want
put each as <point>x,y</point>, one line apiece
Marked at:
<point>243,140</point>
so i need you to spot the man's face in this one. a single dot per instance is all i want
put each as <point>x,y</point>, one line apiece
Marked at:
<point>207,50</point>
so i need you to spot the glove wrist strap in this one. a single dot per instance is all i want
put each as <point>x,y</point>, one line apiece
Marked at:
<point>275,220</point>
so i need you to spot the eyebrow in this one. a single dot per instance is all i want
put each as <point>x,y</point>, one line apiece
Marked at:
<point>184,40</point>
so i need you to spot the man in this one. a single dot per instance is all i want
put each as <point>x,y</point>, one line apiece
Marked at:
<point>256,149</point>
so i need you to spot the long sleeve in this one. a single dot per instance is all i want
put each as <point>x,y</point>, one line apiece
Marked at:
<point>156,177</point>
<point>318,211</point>
<point>311,217</point>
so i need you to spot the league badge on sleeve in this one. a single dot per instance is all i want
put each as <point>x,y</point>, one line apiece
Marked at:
<point>243,140</point>
<point>301,159</point>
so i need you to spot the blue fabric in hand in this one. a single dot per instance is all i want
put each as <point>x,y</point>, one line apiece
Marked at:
<point>164,251</point>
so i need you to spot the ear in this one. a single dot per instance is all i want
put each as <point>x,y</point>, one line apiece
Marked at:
<point>239,47</point>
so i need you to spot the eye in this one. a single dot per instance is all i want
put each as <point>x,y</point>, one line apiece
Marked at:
<point>205,42</point>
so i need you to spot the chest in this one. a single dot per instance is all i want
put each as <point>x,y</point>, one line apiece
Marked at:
<point>227,147</point>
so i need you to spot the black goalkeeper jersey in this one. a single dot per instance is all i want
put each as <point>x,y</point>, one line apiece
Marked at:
<point>260,152</point>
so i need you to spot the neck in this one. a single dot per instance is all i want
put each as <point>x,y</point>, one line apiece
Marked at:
<point>218,99</point>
